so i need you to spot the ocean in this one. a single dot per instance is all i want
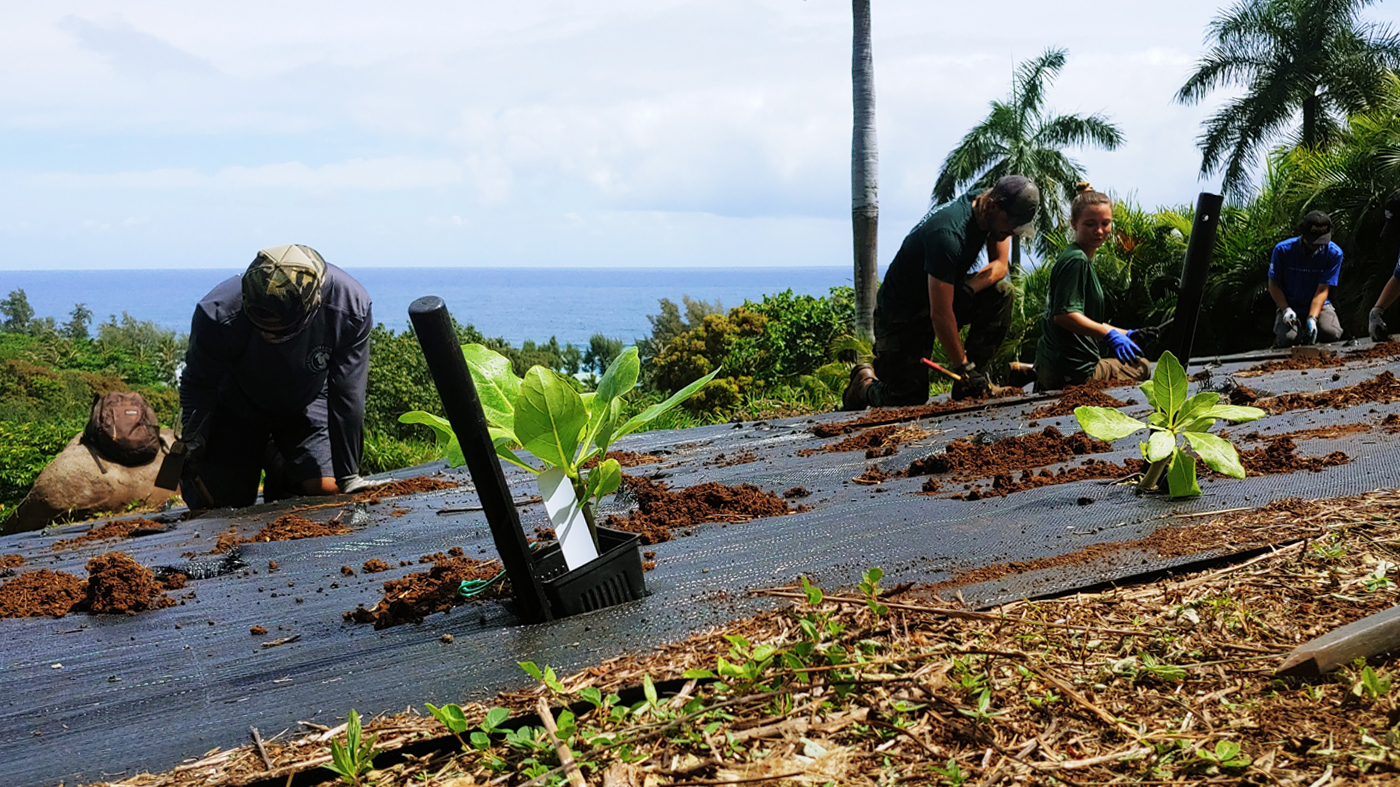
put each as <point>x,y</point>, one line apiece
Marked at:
<point>571,304</point>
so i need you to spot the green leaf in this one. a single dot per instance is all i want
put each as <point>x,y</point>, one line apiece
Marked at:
<point>1236,413</point>
<point>531,669</point>
<point>450,715</point>
<point>698,674</point>
<point>1160,446</point>
<point>1181,475</point>
<point>651,413</point>
<point>1198,425</point>
<point>1196,407</point>
<point>619,379</point>
<point>649,689</point>
<point>549,418</point>
<point>496,384</point>
<point>1106,423</point>
<point>495,718</point>
<point>1169,384</point>
<point>1150,391</point>
<point>442,430</point>
<point>608,475</point>
<point>1217,453</point>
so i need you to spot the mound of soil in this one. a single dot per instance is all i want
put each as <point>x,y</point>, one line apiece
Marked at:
<point>795,492</point>
<point>1391,423</point>
<point>876,442</point>
<point>41,593</point>
<point>741,458</point>
<point>1280,456</point>
<point>1241,395</point>
<point>117,584</point>
<point>1382,388</point>
<point>966,460</point>
<point>659,509</point>
<point>374,565</point>
<point>108,531</point>
<point>1003,484</point>
<point>625,458</point>
<point>887,415</point>
<point>1076,396</point>
<point>11,561</point>
<point>411,598</point>
<point>405,486</point>
<point>1387,349</point>
<point>288,527</point>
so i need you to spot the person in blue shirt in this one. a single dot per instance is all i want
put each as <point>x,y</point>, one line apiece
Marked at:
<point>1302,271</point>
<point>1377,328</point>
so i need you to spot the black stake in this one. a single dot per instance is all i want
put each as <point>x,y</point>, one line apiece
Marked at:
<point>463,408</point>
<point>1199,250</point>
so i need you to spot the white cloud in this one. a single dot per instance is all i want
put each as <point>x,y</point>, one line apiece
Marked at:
<point>384,174</point>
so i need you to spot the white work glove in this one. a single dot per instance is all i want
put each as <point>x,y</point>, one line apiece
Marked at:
<point>351,484</point>
<point>1290,317</point>
<point>1379,331</point>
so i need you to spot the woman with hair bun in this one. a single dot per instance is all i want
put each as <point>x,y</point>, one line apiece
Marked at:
<point>1073,326</point>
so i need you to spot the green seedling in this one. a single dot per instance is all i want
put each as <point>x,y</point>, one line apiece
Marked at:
<point>356,756</point>
<point>983,712</point>
<point>545,676</point>
<point>1174,416</point>
<point>1371,685</point>
<point>481,739</point>
<point>1330,549</point>
<point>1377,579</point>
<point>870,588</point>
<point>544,415</point>
<point>452,718</point>
<point>1227,754</point>
<point>952,775</point>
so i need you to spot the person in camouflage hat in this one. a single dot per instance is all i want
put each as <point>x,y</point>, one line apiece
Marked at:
<point>274,382</point>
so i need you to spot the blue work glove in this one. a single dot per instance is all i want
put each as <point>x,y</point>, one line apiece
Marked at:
<point>1124,349</point>
<point>1310,331</point>
<point>1290,317</point>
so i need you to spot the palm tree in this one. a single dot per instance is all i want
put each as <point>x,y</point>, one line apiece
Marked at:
<point>1313,56</point>
<point>1021,137</point>
<point>865,202</point>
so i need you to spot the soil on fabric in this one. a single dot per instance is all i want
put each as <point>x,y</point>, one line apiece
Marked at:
<point>1281,456</point>
<point>1382,388</point>
<point>887,415</point>
<point>374,565</point>
<point>411,598</point>
<point>11,561</point>
<point>876,442</point>
<point>625,458</point>
<point>965,459</point>
<point>288,527</point>
<point>117,584</point>
<point>1076,396</point>
<point>1379,350</point>
<point>405,486</point>
<point>661,511</point>
<point>41,593</point>
<point>107,532</point>
<point>1318,433</point>
<point>1391,423</point>
<point>740,458</point>
<point>1006,484</point>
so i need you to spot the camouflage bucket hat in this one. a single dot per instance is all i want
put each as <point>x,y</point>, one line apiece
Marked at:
<point>282,288</point>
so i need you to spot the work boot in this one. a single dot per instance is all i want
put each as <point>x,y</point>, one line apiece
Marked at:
<point>862,377</point>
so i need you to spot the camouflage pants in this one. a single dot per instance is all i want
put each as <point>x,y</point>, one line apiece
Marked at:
<point>900,346</point>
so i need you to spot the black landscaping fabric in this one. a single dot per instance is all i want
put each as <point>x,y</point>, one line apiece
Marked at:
<point>87,698</point>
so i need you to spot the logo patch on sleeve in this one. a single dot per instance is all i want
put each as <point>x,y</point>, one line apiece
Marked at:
<point>319,358</point>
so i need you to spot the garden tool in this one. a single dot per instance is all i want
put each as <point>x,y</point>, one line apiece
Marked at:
<point>171,469</point>
<point>1370,636</point>
<point>940,369</point>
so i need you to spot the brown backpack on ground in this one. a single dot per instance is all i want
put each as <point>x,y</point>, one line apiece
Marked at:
<point>123,429</point>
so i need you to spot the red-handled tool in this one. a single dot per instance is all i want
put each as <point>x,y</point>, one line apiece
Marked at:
<point>937,368</point>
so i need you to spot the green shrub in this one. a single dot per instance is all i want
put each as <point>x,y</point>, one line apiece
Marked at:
<point>383,453</point>
<point>25,449</point>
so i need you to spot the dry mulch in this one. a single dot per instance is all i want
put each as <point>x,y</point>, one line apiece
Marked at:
<point>876,442</point>
<point>106,532</point>
<point>1140,684</point>
<point>965,459</point>
<point>405,486</point>
<point>660,511</point>
<point>411,598</point>
<point>41,593</point>
<point>1382,388</point>
<point>11,561</point>
<point>1076,396</point>
<point>288,527</point>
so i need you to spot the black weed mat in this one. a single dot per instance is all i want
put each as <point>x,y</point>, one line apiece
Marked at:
<point>87,698</point>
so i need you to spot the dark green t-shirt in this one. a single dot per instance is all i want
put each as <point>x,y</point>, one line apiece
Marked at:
<point>944,245</point>
<point>1074,287</point>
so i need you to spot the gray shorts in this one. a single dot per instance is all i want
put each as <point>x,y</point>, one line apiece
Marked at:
<point>1329,328</point>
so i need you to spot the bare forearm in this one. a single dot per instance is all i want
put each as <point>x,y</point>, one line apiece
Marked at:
<point>1319,298</point>
<point>1276,293</point>
<point>1389,293</point>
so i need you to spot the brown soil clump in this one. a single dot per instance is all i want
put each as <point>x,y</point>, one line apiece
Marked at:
<point>290,527</point>
<point>741,458</point>
<point>876,442</point>
<point>1242,396</point>
<point>41,593</point>
<point>374,565</point>
<point>1391,423</point>
<point>795,492</point>
<point>874,474</point>
<point>257,631</point>
<point>107,532</point>
<point>1382,388</point>
<point>1003,484</point>
<point>411,598</point>
<point>659,509</point>
<point>173,581</point>
<point>967,460</point>
<point>405,486</point>
<point>1379,350</point>
<point>1280,456</point>
<point>1076,396</point>
<point>117,584</point>
<point>886,415</point>
<point>625,458</point>
<point>11,561</point>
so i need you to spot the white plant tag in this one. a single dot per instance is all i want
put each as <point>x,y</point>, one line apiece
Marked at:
<point>566,516</point>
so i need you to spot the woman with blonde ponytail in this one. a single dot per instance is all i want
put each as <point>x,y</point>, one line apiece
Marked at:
<point>1073,325</point>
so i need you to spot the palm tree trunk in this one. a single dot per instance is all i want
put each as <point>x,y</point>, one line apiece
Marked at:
<point>1310,120</point>
<point>865,202</point>
<point>1015,271</point>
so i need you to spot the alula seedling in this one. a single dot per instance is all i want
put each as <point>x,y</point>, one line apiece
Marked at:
<point>544,415</point>
<point>1175,417</point>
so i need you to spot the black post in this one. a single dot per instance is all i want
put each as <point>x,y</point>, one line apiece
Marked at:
<point>463,407</point>
<point>1199,250</point>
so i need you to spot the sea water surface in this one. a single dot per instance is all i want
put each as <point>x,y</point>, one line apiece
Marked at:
<point>571,304</point>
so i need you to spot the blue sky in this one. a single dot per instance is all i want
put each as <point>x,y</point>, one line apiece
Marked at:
<point>535,133</point>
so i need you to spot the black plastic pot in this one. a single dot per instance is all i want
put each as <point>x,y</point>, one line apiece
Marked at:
<point>614,577</point>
